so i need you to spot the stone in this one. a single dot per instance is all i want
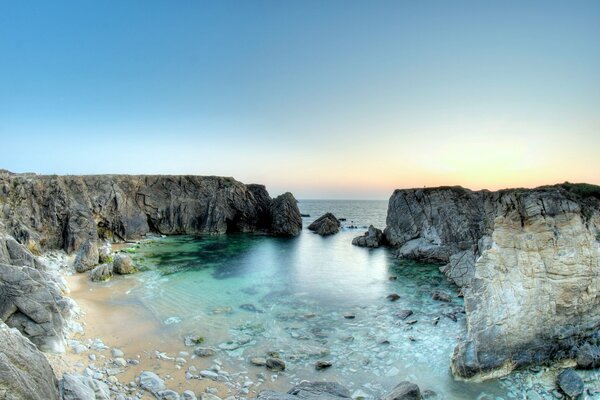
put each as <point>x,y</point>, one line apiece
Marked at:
<point>275,364</point>
<point>101,273</point>
<point>441,296</point>
<point>373,238</point>
<point>404,391</point>
<point>116,352</point>
<point>403,314</point>
<point>151,382</point>
<point>205,351</point>
<point>168,395</point>
<point>24,371</point>
<point>325,225</point>
<point>393,297</point>
<point>251,308</point>
<point>87,256</point>
<point>209,374</point>
<point>123,264</point>
<point>285,216</point>
<point>307,390</point>
<point>105,253</point>
<point>79,387</point>
<point>188,395</point>
<point>570,383</point>
<point>588,356</point>
<point>258,361</point>
<point>322,364</point>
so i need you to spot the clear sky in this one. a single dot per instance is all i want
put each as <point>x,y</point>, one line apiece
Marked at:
<point>327,99</point>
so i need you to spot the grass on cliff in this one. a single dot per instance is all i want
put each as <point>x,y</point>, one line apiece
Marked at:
<point>582,189</point>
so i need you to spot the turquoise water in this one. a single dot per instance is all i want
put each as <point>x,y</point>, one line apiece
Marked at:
<point>249,295</point>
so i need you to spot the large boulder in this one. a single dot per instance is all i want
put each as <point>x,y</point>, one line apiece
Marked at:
<point>325,225</point>
<point>87,256</point>
<point>404,391</point>
<point>24,371</point>
<point>588,356</point>
<point>123,264</point>
<point>570,383</point>
<point>285,214</point>
<point>373,237</point>
<point>31,302</point>
<point>101,273</point>
<point>79,387</point>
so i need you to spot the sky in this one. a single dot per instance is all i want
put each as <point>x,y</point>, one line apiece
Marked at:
<point>326,99</point>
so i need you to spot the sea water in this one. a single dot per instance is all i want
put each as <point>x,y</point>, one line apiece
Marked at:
<point>314,298</point>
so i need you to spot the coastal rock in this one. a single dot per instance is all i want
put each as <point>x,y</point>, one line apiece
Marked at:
<point>167,395</point>
<point>105,253</point>
<point>31,302</point>
<point>79,387</point>
<point>101,273</point>
<point>373,237</point>
<point>521,255</point>
<point>24,371</point>
<point>87,256</point>
<point>151,382</point>
<point>205,351</point>
<point>309,391</point>
<point>275,364</point>
<point>588,356</point>
<point>14,253</point>
<point>570,383</point>
<point>404,391</point>
<point>123,264</point>
<point>285,216</point>
<point>327,224</point>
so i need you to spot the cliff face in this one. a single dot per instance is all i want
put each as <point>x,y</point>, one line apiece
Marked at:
<point>520,256</point>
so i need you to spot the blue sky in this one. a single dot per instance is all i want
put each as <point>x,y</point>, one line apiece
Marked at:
<point>324,99</point>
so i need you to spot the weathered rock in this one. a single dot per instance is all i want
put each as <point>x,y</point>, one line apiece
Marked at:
<point>151,382</point>
<point>441,296</point>
<point>285,215</point>
<point>521,255</point>
<point>87,256</point>
<point>327,224</point>
<point>309,391</point>
<point>404,391</point>
<point>205,351</point>
<point>588,356</point>
<point>31,302</point>
<point>188,395</point>
<point>168,395</point>
<point>275,364</point>
<point>24,371</point>
<point>14,253</point>
<point>258,361</point>
<point>393,296</point>
<point>105,253</point>
<point>101,273</point>
<point>570,383</point>
<point>123,264</point>
<point>323,364</point>
<point>79,387</point>
<point>373,237</point>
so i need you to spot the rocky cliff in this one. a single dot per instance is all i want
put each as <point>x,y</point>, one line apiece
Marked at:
<point>520,256</point>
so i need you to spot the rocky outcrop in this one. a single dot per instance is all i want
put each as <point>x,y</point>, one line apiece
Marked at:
<point>326,224</point>
<point>24,371</point>
<point>373,237</point>
<point>31,301</point>
<point>285,216</point>
<point>521,256</point>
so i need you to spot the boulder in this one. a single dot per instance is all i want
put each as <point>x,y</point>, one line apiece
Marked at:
<point>32,303</point>
<point>309,391</point>
<point>151,382</point>
<point>285,216</point>
<point>123,264</point>
<point>570,383</point>
<point>79,387</point>
<point>404,391</point>
<point>373,237</point>
<point>101,273</point>
<point>327,224</point>
<point>275,364</point>
<point>24,371</point>
<point>105,253</point>
<point>87,256</point>
<point>588,356</point>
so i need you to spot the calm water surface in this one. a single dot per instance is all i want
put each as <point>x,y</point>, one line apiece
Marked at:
<point>249,295</point>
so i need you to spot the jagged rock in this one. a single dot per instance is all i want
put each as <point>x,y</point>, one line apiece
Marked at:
<point>327,224</point>
<point>101,273</point>
<point>24,371</point>
<point>87,256</point>
<point>373,237</point>
<point>404,391</point>
<point>123,264</point>
<point>14,253</point>
<point>570,383</point>
<point>31,302</point>
<point>151,382</point>
<point>588,356</point>
<point>521,255</point>
<point>286,220</point>
<point>79,387</point>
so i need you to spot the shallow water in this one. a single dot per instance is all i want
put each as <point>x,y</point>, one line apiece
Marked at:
<point>249,295</point>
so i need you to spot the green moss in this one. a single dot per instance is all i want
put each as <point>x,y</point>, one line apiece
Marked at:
<point>199,340</point>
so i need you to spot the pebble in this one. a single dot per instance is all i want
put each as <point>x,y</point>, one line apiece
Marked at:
<point>120,362</point>
<point>258,361</point>
<point>321,364</point>
<point>116,353</point>
<point>209,374</point>
<point>275,364</point>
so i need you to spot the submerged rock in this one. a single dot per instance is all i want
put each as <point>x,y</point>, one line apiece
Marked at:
<point>123,264</point>
<point>570,383</point>
<point>322,364</point>
<point>373,237</point>
<point>24,371</point>
<point>404,391</point>
<point>327,224</point>
<point>275,364</point>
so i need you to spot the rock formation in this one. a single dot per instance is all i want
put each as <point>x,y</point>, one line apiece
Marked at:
<point>24,371</point>
<point>373,237</point>
<point>326,224</point>
<point>521,256</point>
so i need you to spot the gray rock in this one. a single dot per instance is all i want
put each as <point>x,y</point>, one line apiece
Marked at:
<point>373,237</point>
<point>33,304</point>
<point>123,264</point>
<point>79,387</point>
<point>275,364</point>
<point>101,273</point>
<point>151,382</point>
<point>87,256</point>
<point>285,216</point>
<point>588,356</point>
<point>441,296</point>
<point>105,253</point>
<point>570,383</point>
<point>258,361</point>
<point>188,395</point>
<point>323,364</point>
<point>205,351</point>
<point>307,390</point>
<point>404,391</point>
<point>24,371</point>
<point>168,395</point>
<point>327,224</point>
